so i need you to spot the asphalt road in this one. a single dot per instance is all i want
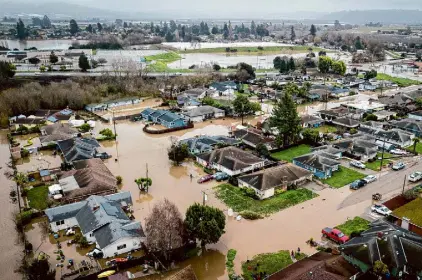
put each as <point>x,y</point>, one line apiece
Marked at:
<point>389,183</point>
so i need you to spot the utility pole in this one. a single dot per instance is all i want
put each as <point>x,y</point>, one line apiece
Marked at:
<point>404,184</point>
<point>115,137</point>
<point>382,156</point>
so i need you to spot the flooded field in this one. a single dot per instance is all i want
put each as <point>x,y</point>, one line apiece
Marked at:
<point>183,46</point>
<point>62,44</point>
<point>9,251</point>
<point>39,160</point>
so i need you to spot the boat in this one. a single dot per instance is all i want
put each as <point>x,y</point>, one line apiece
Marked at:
<point>106,274</point>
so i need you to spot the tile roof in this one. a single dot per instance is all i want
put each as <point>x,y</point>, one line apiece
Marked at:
<point>275,176</point>
<point>231,158</point>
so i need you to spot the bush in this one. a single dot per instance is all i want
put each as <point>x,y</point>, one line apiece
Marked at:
<point>411,194</point>
<point>216,67</point>
<point>119,179</point>
<point>24,153</point>
<point>249,192</point>
<point>353,131</point>
<point>231,255</point>
<point>23,218</point>
<point>81,240</point>
<point>85,127</point>
<point>250,215</point>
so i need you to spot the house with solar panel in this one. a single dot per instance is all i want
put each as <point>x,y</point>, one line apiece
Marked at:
<point>81,148</point>
<point>102,220</point>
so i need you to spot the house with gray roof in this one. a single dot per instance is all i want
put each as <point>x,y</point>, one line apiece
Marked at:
<point>231,160</point>
<point>358,148</point>
<point>346,123</point>
<point>320,163</point>
<point>53,133</point>
<point>265,182</point>
<point>102,220</point>
<point>398,248</point>
<point>203,144</point>
<point>81,148</point>
<point>409,125</point>
<point>202,113</point>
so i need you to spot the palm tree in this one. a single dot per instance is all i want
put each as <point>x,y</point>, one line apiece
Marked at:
<point>415,143</point>
<point>20,180</point>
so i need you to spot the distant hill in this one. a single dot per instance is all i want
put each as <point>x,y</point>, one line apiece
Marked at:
<point>383,16</point>
<point>62,10</point>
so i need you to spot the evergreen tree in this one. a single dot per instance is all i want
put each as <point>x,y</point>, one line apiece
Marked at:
<point>225,31</point>
<point>21,31</point>
<point>83,63</point>
<point>358,44</point>
<point>183,32</point>
<point>313,30</point>
<point>53,58</point>
<point>46,23</point>
<point>125,25</point>
<point>169,37</point>
<point>283,66</point>
<point>215,30</point>
<point>277,62</point>
<point>99,27</point>
<point>292,65</point>
<point>73,26</point>
<point>89,28</point>
<point>253,28</point>
<point>286,120</point>
<point>151,26</point>
<point>292,34</point>
<point>173,26</point>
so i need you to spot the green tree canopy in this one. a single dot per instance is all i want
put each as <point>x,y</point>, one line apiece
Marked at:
<point>371,74</point>
<point>286,120</point>
<point>178,153</point>
<point>143,183</point>
<point>338,67</point>
<point>7,70</point>
<point>324,64</point>
<point>53,58</point>
<point>73,27</point>
<point>242,106</point>
<point>205,223</point>
<point>84,63</point>
<point>21,31</point>
<point>39,269</point>
<point>313,30</point>
<point>311,135</point>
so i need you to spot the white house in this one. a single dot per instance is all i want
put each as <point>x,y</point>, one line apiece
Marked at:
<point>266,181</point>
<point>199,114</point>
<point>230,160</point>
<point>416,115</point>
<point>102,220</point>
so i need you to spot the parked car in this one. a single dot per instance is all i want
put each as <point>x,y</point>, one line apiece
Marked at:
<point>357,164</point>
<point>415,176</point>
<point>357,184</point>
<point>370,178</point>
<point>381,209</point>
<point>398,152</point>
<point>221,176</point>
<point>335,235</point>
<point>398,166</point>
<point>95,253</point>
<point>205,178</point>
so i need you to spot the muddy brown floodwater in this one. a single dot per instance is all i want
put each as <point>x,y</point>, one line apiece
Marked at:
<point>9,251</point>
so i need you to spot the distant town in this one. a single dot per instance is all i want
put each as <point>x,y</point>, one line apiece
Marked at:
<point>210,149</point>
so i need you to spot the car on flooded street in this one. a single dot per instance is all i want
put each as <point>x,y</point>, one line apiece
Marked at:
<point>335,235</point>
<point>357,184</point>
<point>357,164</point>
<point>370,178</point>
<point>205,179</point>
<point>398,166</point>
<point>381,209</point>
<point>415,176</point>
<point>221,176</point>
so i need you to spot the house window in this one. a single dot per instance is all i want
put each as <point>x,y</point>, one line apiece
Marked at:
<point>58,223</point>
<point>121,247</point>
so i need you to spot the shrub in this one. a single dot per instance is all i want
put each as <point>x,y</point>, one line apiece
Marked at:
<point>250,215</point>
<point>231,255</point>
<point>411,194</point>
<point>353,131</point>
<point>28,246</point>
<point>24,153</point>
<point>81,240</point>
<point>24,218</point>
<point>192,66</point>
<point>216,67</point>
<point>249,192</point>
<point>119,179</point>
<point>85,127</point>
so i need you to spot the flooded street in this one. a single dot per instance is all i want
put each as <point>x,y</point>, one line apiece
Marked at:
<point>10,252</point>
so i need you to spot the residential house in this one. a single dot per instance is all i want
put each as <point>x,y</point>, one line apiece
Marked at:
<point>368,86</point>
<point>53,133</point>
<point>164,117</point>
<point>396,247</point>
<point>388,139</point>
<point>103,106</point>
<point>224,88</point>
<point>203,144</point>
<point>81,148</point>
<point>90,177</point>
<point>409,125</point>
<point>309,121</point>
<point>346,123</point>
<point>367,106</point>
<point>357,147</point>
<point>191,97</point>
<point>334,152</point>
<point>254,137</point>
<point>102,220</point>
<point>398,101</point>
<point>203,113</point>
<point>384,115</point>
<point>231,160</point>
<point>334,113</point>
<point>416,115</point>
<point>28,122</point>
<point>372,125</point>
<point>266,181</point>
<point>319,266</point>
<point>45,175</point>
<point>337,92</point>
<point>62,116</point>
<point>320,163</point>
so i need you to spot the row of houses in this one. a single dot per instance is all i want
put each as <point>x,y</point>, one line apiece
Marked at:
<point>41,117</point>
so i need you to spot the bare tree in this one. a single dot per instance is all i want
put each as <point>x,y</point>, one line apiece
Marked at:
<point>164,228</point>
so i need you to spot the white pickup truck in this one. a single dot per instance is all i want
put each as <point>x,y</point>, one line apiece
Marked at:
<point>415,176</point>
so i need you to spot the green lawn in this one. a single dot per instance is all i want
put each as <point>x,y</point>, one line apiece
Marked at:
<point>376,164</point>
<point>167,57</point>
<point>357,225</point>
<point>411,210</point>
<point>401,82</point>
<point>342,177</point>
<point>268,263</point>
<point>326,129</point>
<point>235,198</point>
<point>255,50</point>
<point>418,148</point>
<point>38,197</point>
<point>290,154</point>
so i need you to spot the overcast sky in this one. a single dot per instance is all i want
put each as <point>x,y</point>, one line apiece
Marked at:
<point>240,8</point>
